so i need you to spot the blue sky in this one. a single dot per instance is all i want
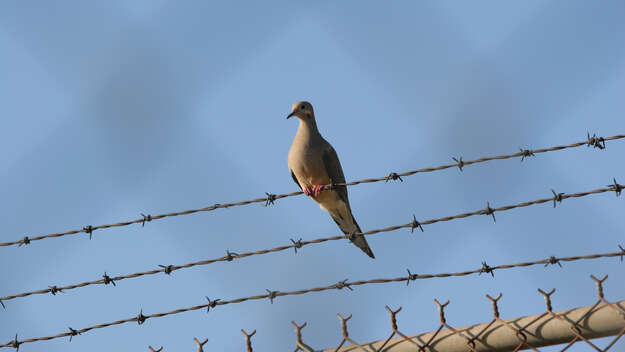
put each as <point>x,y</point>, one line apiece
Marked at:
<point>116,108</point>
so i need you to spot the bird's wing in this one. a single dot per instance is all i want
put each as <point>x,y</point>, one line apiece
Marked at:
<point>342,215</point>
<point>335,172</point>
<point>295,179</point>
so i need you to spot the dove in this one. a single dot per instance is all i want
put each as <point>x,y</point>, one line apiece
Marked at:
<point>313,163</point>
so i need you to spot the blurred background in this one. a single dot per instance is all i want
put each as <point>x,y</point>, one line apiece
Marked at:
<point>112,109</point>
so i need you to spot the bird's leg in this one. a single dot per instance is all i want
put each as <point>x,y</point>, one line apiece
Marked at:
<point>317,190</point>
<point>306,191</point>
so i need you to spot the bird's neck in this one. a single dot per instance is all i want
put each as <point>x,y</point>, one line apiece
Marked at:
<point>307,129</point>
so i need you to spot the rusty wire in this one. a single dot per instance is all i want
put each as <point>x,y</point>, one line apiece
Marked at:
<point>230,256</point>
<point>272,295</point>
<point>521,332</point>
<point>594,141</point>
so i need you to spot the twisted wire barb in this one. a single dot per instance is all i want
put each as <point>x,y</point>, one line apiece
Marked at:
<point>141,318</point>
<point>271,198</point>
<point>168,269</point>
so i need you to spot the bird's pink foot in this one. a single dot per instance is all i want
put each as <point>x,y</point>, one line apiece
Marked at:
<point>307,191</point>
<point>317,190</point>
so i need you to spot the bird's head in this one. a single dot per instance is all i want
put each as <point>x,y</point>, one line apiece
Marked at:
<point>303,110</point>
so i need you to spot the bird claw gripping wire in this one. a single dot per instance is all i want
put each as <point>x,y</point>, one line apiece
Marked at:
<point>553,261</point>
<point>141,318</point>
<point>88,229</point>
<point>107,279</point>
<point>459,162</point>
<point>595,142</point>
<point>617,189</point>
<point>342,284</point>
<point>146,218</point>
<point>271,295</point>
<point>489,211</point>
<point>411,277</point>
<point>331,186</point>
<point>72,333</point>
<point>296,244</point>
<point>393,176</point>
<point>619,247</point>
<point>557,197</point>
<point>25,241</point>
<point>486,269</point>
<point>167,269</point>
<point>526,153</point>
<point>415,224</point>
<point>270,199</point>
<point>211,304</point>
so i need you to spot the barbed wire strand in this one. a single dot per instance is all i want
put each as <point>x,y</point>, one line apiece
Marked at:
<point>168,269</point>
<point>593,141</point>
<point>271,295</point>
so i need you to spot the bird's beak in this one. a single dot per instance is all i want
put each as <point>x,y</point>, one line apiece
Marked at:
<point>291,114</point>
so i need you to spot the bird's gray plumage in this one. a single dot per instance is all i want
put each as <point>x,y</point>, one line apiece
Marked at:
<point>313,161</point>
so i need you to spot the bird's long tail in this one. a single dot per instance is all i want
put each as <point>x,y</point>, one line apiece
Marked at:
<point>348,225</point>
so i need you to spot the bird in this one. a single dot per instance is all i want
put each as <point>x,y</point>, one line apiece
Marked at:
<point>313,163</point>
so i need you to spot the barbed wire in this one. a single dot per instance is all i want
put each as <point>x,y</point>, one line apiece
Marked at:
<point>272,295</point>
<point>230,256</point>
<point>591,141</point>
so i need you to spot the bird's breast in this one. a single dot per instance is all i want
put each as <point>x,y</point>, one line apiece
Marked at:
<point>308,166</point>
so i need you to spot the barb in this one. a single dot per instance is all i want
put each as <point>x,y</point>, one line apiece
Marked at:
<point>74,333</point>
<point>617,189</point>
<point>459,163</point>
<point>597,142</point>
<point>146,218</point>
<point>526,153</point>
<point>105,280</point>
<point>270,200</point>
<point>393,176</point>
<point>141,318</point>
<point>26,241</point>
<point>211,304</point>
<point>298,244</point>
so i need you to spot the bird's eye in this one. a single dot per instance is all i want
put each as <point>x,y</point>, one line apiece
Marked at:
<point>302,107</point>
